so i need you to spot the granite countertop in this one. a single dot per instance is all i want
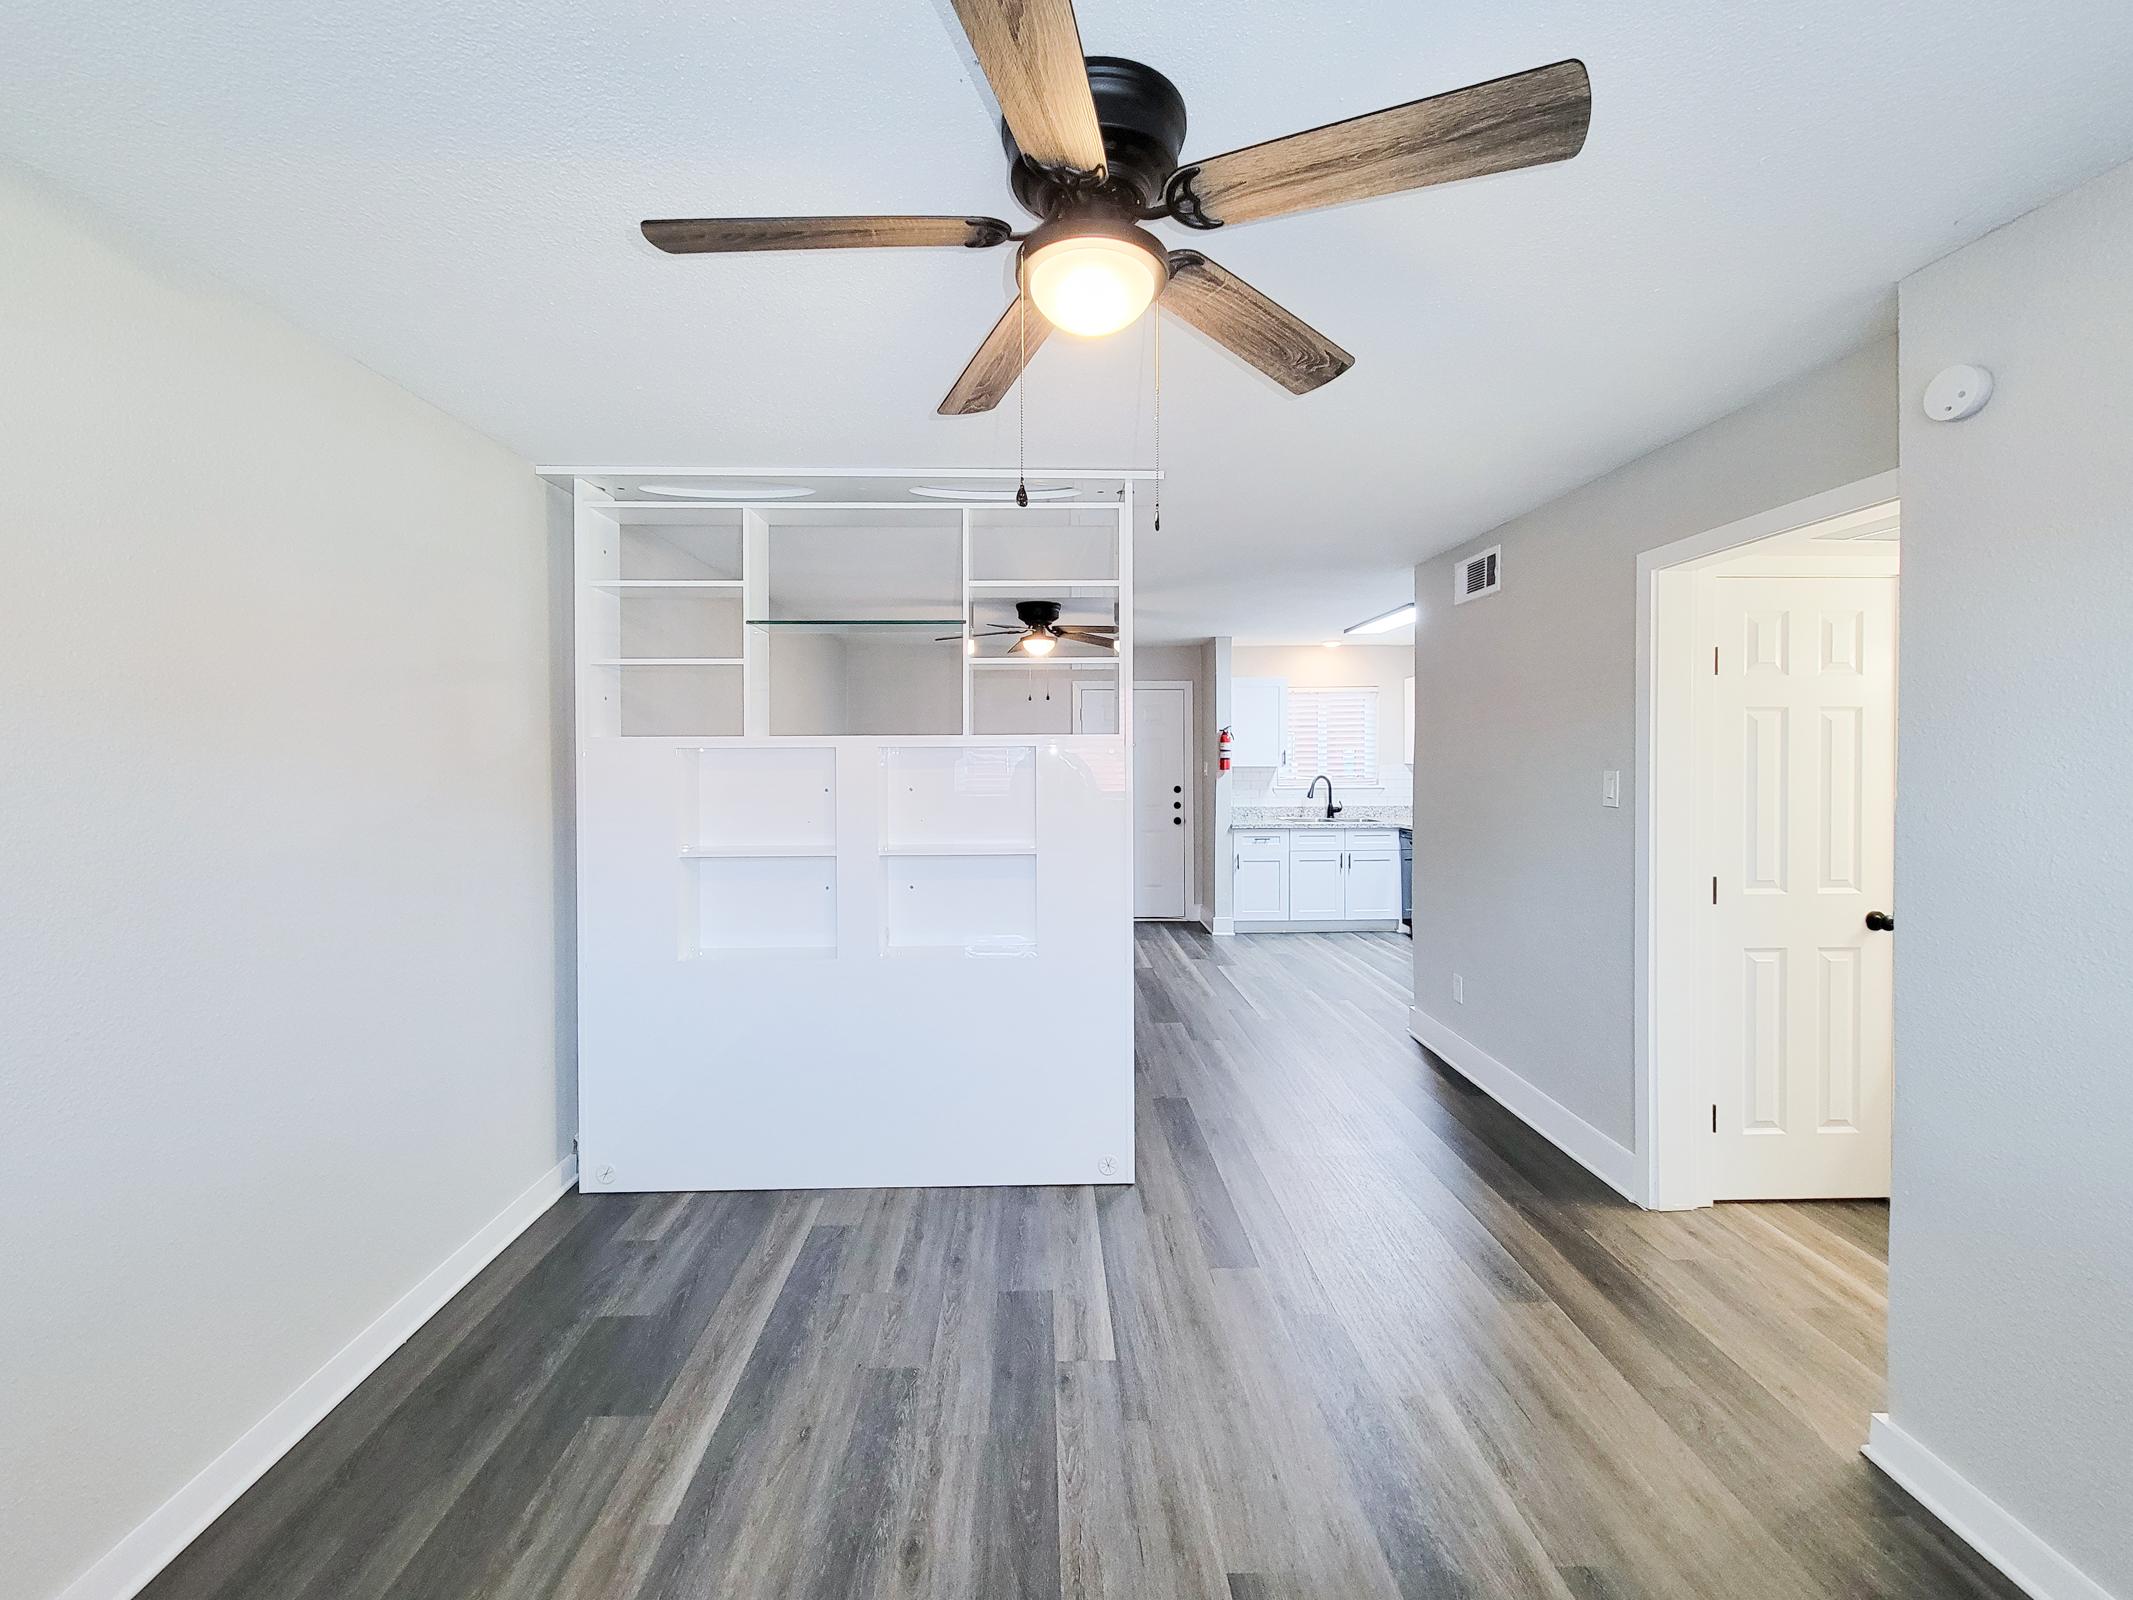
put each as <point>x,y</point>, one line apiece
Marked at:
<point>1357,816</point>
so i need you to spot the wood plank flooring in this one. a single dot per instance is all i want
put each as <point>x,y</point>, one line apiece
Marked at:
<point>1355,1333</point>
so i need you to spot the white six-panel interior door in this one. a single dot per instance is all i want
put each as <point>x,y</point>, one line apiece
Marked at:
<point>1800,760</point>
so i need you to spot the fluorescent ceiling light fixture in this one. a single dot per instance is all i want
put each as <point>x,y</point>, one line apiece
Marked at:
<point>1398,618</point>
<point>725,491</point>
<point>980,493</point>
<point>1091,276</point>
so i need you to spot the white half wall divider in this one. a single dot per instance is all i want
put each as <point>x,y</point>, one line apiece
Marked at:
<point>894,949</point>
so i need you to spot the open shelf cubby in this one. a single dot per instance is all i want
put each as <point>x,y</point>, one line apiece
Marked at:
<point>961,905</point>
<point>759,850</point>
<point>958,850</point>
<point>677,622</point>
<point>701,548</point>
<point>1052,547</point>
<point>948,799</point>
<point>686,698</point>
<point>773,802</point>
<point>765,905</point>
<point>1047,697</point>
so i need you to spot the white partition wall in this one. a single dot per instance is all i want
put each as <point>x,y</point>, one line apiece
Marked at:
<point>854,892</point>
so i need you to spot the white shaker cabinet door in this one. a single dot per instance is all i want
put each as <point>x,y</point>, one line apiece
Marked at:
<point>1374,882</point>
<point>1316,890</point>
<point>1259,721</point>
<point>1260,889</point>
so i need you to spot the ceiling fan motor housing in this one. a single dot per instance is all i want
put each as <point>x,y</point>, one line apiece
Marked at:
<point>1142,117</point>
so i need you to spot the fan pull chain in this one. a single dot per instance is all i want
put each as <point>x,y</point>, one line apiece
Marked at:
<point>1159,416</point>
<point>1022,405</point>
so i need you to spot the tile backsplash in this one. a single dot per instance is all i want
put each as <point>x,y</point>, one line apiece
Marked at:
<point>1254,786</point>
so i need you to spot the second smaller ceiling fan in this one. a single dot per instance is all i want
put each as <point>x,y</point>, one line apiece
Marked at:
<point>1041,630</point>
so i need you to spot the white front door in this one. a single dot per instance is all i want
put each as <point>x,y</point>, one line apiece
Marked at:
<point>1161,807</point>
<point>1800,835</point>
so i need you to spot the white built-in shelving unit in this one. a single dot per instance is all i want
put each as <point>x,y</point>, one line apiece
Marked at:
<point>854,879</point>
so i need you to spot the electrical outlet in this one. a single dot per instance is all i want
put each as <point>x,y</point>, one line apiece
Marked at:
<point>1459,988</point>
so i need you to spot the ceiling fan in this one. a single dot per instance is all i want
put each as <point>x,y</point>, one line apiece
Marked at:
<point>1041,630</point>
<point>1093,145</point>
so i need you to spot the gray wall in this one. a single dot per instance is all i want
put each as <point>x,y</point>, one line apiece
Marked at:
<point>278,997</point>
<point>1524,884</point>
<point>2011,1261</point>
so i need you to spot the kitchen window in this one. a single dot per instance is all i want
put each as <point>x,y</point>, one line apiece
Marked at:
<point>1334,731</point>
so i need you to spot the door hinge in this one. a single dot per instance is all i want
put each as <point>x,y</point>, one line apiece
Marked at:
<point>1714,661</point>
<point>1714,1117</point>
<point>1714,891</point>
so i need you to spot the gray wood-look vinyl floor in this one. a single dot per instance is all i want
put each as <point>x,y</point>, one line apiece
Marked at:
<point>1355,1333</point>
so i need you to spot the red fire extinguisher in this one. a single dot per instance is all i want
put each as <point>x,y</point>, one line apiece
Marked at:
<point>1226,743</point>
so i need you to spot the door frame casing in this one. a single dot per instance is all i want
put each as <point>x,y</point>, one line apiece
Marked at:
<point>1192,798</point>
<point>1671,1084</point>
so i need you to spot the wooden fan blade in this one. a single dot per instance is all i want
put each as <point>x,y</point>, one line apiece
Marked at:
<point>688,236</point>
<point>1030,51</point>
<point>1525,120</point>
<point>999,361</point>
<point>1241,319</point>
<point>1107,637</point>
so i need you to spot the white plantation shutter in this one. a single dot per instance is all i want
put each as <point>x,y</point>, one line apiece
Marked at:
<point>1334,731</point>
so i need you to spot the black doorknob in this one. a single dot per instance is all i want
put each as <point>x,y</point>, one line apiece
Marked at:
<point>1880,922</point>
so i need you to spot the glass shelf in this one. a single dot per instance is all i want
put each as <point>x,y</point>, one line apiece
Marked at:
<point>891,625</point>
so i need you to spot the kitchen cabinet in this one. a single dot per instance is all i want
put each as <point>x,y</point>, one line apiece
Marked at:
<point>1317,876</point>
<point>1261,886</point>
<point>1371,884</point>
<point>1259,722</point>
<point>1317,866</point>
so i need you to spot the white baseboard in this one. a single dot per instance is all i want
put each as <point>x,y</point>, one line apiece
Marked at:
<point>1222,927</point>
<point>1613,1164</point>
<point>126,1568</point>
<point>1316,925</point>
<point>1978,1520</point>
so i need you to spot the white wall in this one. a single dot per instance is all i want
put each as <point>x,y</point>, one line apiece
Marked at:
<point>1311,666</point>
<point>2011,1256</point>
<point>278,993</point>
<point>1524,883</point>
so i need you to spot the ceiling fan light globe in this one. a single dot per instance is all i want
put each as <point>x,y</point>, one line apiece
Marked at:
<point>1037,644</point>
<point>1093,283</point>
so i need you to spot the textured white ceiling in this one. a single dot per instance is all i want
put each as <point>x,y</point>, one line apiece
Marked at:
<point>450,193</point>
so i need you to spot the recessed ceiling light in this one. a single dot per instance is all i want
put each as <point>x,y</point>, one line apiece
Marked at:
<point>1399,617</point>
<point>725,491</point>
<point>980,493</point>
<point>1331,644</point>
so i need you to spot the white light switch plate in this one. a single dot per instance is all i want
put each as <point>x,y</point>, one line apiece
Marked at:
<point>1610,788</point>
